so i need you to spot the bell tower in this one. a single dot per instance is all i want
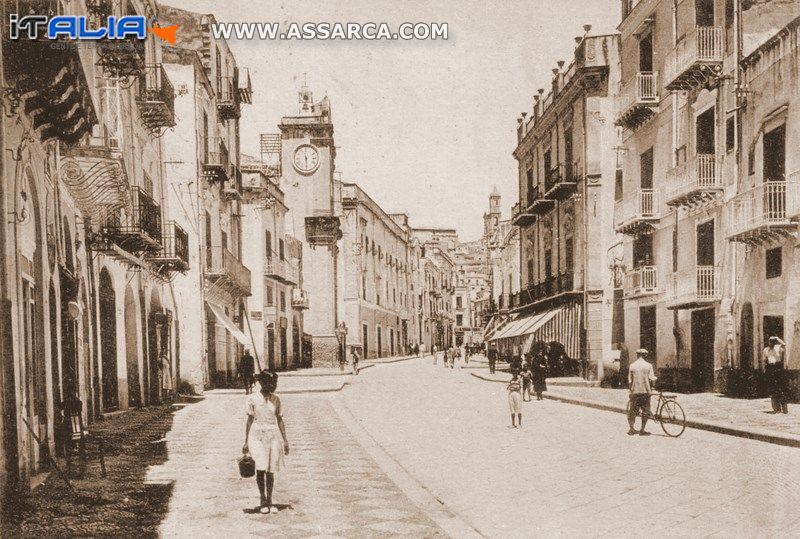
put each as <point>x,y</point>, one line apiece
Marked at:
<point>308,162</point>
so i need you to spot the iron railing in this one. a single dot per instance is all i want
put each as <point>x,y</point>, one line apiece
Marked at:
<point>762,206</point>
<point>647,87</point>
<point>705,44</point>
<point>641,280</point>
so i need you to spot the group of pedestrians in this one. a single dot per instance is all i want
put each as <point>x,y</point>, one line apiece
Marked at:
<point>450,355</point>
<point>527,377</point>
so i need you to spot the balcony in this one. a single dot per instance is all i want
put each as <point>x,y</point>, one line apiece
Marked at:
<point>95,177</point>
<point>521,217</point>
<point>299,298</point>
<point>637,213</point>
<point>643,103</point>
<point>538,204</point>
<point>137,230</point>
<point>282,271</point>
<point>216,161</point>
<point>174,252</point>
<point>233,189</point>
<point>696,59</point>
<point>696,183</point>
<point>551,288</point>
<point>323,230</point>
<point>700,289</point>
<point>118,58</point>
<point>641,281</point>
<point>156,98</point>
<point>228,99</point>
<point>47,81</point>
<point>227,272</point>
<point>561,182</point>
<point>760,215</point>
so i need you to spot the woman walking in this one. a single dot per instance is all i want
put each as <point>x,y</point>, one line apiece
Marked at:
<point>539,372</point>
<point>265,436</point>
<point>515,400</point>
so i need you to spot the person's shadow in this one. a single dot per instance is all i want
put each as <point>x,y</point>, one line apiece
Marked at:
<point>257,509</point>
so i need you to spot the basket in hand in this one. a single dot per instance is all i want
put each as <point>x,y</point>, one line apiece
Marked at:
<point>247,466</point>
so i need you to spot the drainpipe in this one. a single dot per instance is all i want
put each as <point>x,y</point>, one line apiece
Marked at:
<point>585,246</point>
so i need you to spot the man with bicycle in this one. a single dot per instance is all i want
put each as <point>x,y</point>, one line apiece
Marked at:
<point>640,380</point>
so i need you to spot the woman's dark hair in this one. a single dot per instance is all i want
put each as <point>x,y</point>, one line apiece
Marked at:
<point>268,380</point>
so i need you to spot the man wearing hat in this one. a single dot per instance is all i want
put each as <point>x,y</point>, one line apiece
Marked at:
<point>640,378</point>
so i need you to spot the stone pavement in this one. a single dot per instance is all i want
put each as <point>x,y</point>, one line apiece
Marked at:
<point>331,487</point>
<point>571,471</point>
<point>749,418</point>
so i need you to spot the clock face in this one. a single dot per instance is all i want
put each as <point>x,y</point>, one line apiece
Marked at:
<point>306,159</point>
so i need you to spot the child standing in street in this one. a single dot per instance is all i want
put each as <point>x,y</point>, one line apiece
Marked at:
<point>515,400</point>
<point>526,382</point>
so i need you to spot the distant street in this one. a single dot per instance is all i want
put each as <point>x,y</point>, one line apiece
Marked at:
<point>445,435</point>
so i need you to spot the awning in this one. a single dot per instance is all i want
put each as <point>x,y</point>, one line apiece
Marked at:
<point>495,323</point>
<point>561,324</point>
<point>229,324</point>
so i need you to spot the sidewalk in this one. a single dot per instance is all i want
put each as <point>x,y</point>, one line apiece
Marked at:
<point>745,418</point>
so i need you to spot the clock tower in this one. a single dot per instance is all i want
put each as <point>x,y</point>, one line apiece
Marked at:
<point>308,154</point>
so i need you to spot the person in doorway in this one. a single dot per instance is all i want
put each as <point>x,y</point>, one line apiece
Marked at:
<point>265,436</point>
<point>515,400</point>
<point>640,380</point>
<point>247,370</point>
<point>775,368</point>
<point>356,358</point>
<point>165,374</point>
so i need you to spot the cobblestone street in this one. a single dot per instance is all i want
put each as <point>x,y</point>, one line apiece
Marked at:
<point>444,435</point>
<point>331,487</point>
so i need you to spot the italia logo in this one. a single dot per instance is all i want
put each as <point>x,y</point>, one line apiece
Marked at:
<point>78,27</point>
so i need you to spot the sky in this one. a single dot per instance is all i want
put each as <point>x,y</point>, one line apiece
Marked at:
<point>425,127</point>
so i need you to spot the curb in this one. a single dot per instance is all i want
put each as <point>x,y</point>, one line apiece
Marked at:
<point>398,360</point>
<point>301,374</point>
<point>761,435</point>
<point>312,390</point>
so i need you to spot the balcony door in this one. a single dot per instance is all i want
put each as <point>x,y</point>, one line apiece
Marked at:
<point>646,169</point>
<point>705,133</point>
<point>646,53</point>
<point>647,331</point>
<point>643,250</point>
<point>705,244</point>
<point>775,155</point>
<point>704,12</point>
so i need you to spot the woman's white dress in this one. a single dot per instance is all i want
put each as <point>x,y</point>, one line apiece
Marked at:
<point>265,442</point>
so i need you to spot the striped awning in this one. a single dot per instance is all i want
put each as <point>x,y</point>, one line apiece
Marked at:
<point>563,327</point>
<point>561,324</point>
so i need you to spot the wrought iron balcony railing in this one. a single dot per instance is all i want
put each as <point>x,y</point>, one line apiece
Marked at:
<point>216,160</point>
<point>637,211</point>
<point>156,98</point>
<point>700,288</point>
<point>641,281</point>
<point>760,214</point>
<point>695,59</point>
<point>697,181</point>
<point>299,298</point>
<point>640,99</point>
<point>228,99</point>
<point>138,230</point>
<point>174,252</point>
<point>228,272</point>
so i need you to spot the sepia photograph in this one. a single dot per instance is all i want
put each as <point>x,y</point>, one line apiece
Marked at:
<point>400,268</point>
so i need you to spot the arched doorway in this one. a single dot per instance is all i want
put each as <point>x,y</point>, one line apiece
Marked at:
<point>132,350</point>
<point>32,261</point>
<point>108,342</point>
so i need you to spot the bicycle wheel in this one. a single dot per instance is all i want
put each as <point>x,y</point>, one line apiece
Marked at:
<point>672,418</point>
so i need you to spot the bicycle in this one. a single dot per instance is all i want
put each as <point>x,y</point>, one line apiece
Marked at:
<point>668,413</point>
